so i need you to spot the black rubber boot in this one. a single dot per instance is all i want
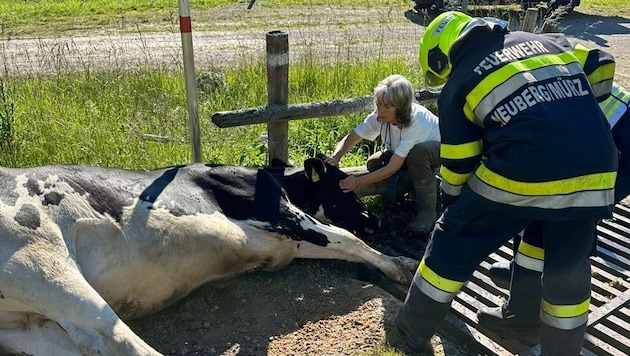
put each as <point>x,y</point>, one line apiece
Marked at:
<point>501,274</point>
<point>501,318</point>
<point>561,342</point>
<point>414,343</point>
<point>418,317</point>
<point>426,195</point>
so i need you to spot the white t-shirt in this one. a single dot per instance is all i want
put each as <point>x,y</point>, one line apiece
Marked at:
<point>424,127</point>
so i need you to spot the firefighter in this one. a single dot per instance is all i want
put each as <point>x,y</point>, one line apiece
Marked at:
<point>523,142</point>
<point>524,303</point>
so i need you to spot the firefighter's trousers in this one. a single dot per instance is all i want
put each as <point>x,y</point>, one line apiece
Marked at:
<point>467,233</point>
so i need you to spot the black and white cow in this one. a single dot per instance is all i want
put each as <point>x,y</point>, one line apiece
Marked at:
<point>83,248</point>
<point>315,190</point>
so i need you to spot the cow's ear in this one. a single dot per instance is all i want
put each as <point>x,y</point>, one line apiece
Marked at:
<point>314,168</point>
<point>321,156</point>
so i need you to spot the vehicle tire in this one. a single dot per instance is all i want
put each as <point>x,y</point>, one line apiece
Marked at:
<point>423,5</point>
<point>568,4</point>
<point>436,9</point>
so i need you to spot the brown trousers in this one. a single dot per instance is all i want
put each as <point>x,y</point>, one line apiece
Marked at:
<point>420,164</point>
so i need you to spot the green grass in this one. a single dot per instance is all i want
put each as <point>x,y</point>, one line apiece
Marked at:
<point>102,117</point>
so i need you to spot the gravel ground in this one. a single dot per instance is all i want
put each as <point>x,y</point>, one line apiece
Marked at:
<point>309,308</point>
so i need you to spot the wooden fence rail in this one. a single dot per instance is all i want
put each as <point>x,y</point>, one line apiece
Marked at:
<point>278,112</point>
<point>273,113</point>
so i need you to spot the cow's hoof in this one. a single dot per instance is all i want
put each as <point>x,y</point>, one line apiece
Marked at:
<point>409,266</point>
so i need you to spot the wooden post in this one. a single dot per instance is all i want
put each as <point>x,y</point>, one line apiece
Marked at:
<point>529,22</point>
<point>189,77</point>
<point>278,92</point>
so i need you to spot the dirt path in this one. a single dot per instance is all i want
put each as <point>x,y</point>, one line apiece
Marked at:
<point>311,307</point>
<point>221,37</point>
<point>308,308</point>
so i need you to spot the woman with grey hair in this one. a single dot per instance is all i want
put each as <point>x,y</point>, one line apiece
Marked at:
<point>411,138</point>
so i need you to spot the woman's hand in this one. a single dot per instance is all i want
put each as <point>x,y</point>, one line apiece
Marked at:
<point>332,161</point>
<point>349,184</point>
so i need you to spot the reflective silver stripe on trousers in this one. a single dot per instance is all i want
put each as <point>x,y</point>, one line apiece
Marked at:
<point>454,190</point>
<point>563,323</point>
<point>432,292</point>
<point>530,263</point>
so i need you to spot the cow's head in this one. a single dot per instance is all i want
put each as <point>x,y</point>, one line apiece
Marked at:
<point>316,191</point>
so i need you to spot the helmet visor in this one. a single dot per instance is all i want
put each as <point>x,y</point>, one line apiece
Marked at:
<point>433,82</point>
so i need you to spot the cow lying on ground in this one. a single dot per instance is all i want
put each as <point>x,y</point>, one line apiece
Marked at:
<point>83,248</point>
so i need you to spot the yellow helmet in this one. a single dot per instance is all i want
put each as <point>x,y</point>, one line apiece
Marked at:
<point>435,45</point>
<point>441,36</point>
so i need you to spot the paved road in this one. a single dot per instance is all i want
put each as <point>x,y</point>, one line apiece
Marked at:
<point>611,34</point>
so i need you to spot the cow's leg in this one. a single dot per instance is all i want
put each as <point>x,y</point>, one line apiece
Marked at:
<point>39,276</point>
<point>343,245</point>
<point>45,338</point>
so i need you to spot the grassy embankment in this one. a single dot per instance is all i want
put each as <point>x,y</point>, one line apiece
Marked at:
<point>97,116</point>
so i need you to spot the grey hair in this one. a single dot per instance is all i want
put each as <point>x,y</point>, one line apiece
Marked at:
<point>397,91</point>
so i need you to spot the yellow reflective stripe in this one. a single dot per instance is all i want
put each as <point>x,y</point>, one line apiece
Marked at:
<point>616,105</point>
<point>430,291</point>
<point>565,317</point>
<point>461,151</point>
<point>613,109</point>
<point>512,85</point>
<point>602,73</point>
<point>581,53</point>
<point>502,74</point>
<point>454,178</point>
<point>565,311</point>
<point>530,257</point>
<point>621,93</point>
<point>595,181</point>
<point>585,199</point>
<point>610,105</point>
<point>601,80</point>
<point>437,281</point>
<point>531,250</point>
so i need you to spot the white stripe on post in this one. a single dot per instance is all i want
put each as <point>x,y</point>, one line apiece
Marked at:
<point>185,27</point>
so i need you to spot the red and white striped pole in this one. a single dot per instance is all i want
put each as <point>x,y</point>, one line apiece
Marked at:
<point>185,28</point>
